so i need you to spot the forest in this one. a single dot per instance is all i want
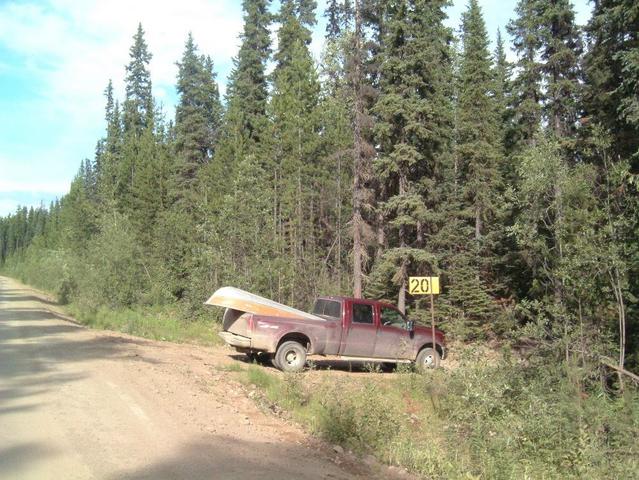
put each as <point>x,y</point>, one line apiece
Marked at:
<point>408,149</point>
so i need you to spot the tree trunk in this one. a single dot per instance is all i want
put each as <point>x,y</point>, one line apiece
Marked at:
<point>358,154</point>
<point>615,281</point>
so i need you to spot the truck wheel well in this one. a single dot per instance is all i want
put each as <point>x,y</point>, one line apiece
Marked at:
<point>438,347</point>
<point>296,337</point>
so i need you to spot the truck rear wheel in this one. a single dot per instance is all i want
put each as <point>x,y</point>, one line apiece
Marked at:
<point>427,358</point>
<point>290,357</point>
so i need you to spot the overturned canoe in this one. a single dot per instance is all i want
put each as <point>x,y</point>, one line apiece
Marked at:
<point>242,301</point>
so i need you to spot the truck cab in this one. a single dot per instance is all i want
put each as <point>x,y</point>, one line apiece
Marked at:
<point>376,330</point>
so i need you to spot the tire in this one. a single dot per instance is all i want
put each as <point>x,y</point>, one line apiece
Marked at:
<point>427,358</point>
<point>290,357</point>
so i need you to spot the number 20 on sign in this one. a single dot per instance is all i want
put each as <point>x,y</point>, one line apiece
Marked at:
<point>423,285</point>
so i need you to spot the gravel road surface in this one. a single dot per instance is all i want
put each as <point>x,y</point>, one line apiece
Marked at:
<point>77,403</point>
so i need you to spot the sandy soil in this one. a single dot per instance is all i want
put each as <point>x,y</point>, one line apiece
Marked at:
<point>77,403</point>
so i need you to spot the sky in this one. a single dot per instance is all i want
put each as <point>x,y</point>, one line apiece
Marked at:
<point>57,56</point>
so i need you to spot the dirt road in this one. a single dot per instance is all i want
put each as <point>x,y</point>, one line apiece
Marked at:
<point>83,404</point>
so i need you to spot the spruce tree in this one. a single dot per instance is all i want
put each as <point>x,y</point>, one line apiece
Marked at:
<point>612,74</point>
<point>478,123</point>
<point>295,138</point>
<point>413,129</point>
<point>247,90</point>
<point>527,86</point>
<point>198,113</point>
<point>560,58</point>
<point>138,106</point>
<point>503,72</point>
<point>478,153</point>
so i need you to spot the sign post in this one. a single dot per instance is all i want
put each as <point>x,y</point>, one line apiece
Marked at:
<point>426,286</point>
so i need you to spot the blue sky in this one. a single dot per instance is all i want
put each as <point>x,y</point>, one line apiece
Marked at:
<point>56,57</point>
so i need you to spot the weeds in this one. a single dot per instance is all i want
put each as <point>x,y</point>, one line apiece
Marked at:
<point>158,323</point>
<point>493,421</point>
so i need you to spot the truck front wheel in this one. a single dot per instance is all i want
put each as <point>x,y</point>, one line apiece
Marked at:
<point>290,357</point>
<point>427,358</point>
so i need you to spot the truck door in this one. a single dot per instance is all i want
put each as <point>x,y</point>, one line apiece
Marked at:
<point>361,331</point>
<point>393,339</point>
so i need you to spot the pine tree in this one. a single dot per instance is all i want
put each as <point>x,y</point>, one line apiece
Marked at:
<point>612,74</point>
<point>503,95</point>
<point>479,144</point>
<point>198,113</point>
<point>247,91</point>
<point>560,57</point>
<point>295,139</point>
<point>339,16</point>
<point>478,158</point>
<point>527,86</point>
<point>413,129</point>
<point>138,106</point>
<point>362,150</point>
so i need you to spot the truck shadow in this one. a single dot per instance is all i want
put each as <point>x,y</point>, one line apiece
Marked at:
<point>347,366</point>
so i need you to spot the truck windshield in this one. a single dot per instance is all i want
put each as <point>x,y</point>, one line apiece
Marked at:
<point>327,308</point>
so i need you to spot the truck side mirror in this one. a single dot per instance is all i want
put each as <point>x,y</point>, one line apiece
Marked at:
<point>410,325</point>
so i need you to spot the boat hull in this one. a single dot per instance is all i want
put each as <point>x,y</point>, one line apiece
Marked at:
<point>243,301</point>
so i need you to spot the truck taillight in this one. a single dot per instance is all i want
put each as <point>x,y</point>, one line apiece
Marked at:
<point>250,322</point>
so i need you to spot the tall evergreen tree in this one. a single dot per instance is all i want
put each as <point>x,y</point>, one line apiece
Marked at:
<point>478,153</point>
<point>247,90</point>
<point>479,144</point>
<point>362,149</point>
<point>295,135</point>
<point>503,95</point>
<point>138,106</point>
<point>527,86</point>
<point>560,59</point>
<point>198,113</point>
<point>612,74</point>
<point>413,129</point>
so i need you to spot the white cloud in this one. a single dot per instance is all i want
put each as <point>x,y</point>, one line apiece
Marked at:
<point>67,50</point>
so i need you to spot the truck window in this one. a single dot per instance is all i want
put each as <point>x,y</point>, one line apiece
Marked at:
<point>318,308</point>
<point>392,318</point>
<point>362,313</point>
<point>333,309</point>
<point>327,308</point>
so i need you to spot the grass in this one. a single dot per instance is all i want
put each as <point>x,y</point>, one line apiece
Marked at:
<point>157,323</point>
<point>47,271</point>
<point>497,420</point>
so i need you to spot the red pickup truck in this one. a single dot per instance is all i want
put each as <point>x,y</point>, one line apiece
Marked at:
<point>350,328</point>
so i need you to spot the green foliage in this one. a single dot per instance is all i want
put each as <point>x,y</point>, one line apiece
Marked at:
<point>157,323</point>
<point>611,73</point>
<point>484,419</point>
<point>198,115</point>
<point>517,184</point>
<point>138,107</point>
<point>414,126</point>
<point>398,155</point>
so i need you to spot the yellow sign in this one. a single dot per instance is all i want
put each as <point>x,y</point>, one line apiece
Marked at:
<point>423,285</point>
